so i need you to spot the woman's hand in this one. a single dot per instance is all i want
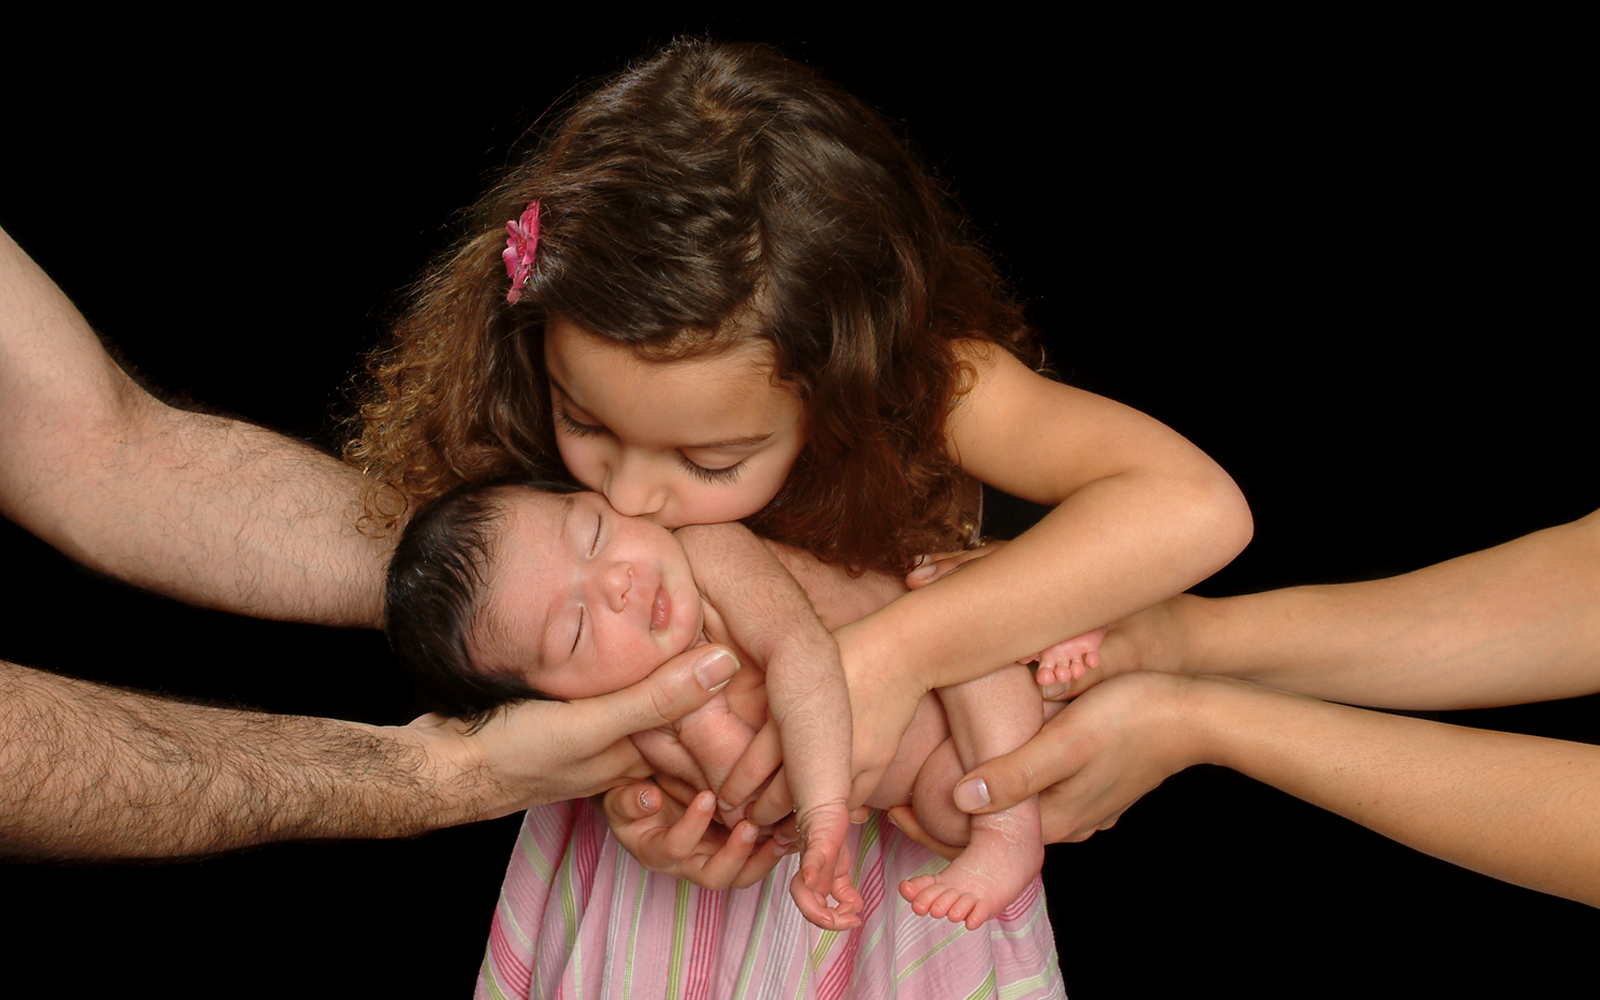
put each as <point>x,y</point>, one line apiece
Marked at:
<point>679,839</point>
<point>1097,757</point>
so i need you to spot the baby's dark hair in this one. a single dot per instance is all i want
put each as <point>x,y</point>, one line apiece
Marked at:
<point>432,596</point>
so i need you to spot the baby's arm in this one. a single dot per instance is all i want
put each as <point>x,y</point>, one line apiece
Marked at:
<point>766,612</point>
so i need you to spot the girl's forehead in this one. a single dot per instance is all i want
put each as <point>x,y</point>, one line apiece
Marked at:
<point>724,398</point>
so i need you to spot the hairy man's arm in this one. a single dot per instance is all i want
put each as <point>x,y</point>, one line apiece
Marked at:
<point>209,510</point>
<point>88,771</point>
<point>93,772</point>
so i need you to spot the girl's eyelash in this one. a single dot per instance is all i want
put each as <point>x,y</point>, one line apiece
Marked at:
<point>582,430</point>
<point>700,472</point>
<point>705,475</point>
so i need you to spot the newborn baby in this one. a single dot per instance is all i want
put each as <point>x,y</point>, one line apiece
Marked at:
<point>523,590</point>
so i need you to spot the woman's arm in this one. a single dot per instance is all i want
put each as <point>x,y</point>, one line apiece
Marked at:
<point>1520,808</point>
<point>1512,624</point>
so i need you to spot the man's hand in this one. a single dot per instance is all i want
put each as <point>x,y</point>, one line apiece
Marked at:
<point>540,752</point>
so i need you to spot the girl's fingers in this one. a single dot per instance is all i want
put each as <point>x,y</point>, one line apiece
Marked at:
<point>634,802</point>
<point>760,760</point>
<point>774,804</point>
<point>941,564</point>
<point>759,864</point>
<point>686,834</point>
<point>722,869</point>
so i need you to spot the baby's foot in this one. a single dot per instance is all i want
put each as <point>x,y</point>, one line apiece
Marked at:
<point>1069,660</point>
<point>1005,853</point>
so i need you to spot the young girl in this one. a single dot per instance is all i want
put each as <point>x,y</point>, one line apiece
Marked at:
<point>734,294</point>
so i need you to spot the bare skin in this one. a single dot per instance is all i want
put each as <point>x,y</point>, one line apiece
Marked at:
<point>1516,623</point>
<point>675,833</point>
<point>230,516</point>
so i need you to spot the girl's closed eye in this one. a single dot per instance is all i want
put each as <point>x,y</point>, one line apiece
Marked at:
<point>727,474</point>
<point>569,423</point>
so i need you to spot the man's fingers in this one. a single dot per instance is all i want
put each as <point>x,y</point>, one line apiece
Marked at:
<point>678,687</point>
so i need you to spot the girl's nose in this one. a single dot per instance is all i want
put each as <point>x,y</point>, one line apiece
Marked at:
<point>633,487</point>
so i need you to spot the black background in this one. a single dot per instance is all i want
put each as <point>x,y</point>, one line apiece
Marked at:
<point>1345,258</point>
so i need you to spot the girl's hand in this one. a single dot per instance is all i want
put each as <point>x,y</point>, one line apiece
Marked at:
<point>679,839</point>
<point>882,705</point>
<point>941,564</point>
<point>761,765</point>
<point>1097,757</point>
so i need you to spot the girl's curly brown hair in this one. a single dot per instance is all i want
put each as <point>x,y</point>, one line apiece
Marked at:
<point>716,192</point>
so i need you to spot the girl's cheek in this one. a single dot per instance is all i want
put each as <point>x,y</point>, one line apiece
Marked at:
<point>581,461</point>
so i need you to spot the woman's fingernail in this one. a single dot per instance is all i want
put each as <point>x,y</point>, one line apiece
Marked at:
<point>972,795</point>
<point>716,668</point>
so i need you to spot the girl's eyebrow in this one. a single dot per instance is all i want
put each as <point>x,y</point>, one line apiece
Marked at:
<point>745,441</point>
<point>737,442</point>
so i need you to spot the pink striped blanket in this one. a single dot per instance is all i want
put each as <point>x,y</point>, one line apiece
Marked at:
<point>579,918</point>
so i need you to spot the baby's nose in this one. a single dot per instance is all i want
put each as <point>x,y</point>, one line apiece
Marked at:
<point>616,581</point>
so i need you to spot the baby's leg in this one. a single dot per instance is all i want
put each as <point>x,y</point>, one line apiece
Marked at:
<point>1069,660</point>
<point>988,717</point>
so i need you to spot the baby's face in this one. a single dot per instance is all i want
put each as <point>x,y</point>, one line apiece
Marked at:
<point>581,600</point>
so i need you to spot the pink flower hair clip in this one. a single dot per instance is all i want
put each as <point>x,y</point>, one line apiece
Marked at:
<point>521,247</point>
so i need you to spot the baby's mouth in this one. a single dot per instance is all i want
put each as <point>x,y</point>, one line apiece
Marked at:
<point>661,611</point>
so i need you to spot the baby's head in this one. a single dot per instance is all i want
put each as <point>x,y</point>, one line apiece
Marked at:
<point>534,590</point>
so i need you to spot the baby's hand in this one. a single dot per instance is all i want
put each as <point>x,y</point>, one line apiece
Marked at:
<point>825,869</point>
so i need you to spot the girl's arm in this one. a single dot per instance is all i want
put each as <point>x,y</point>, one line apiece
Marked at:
<point>1140,514</point>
